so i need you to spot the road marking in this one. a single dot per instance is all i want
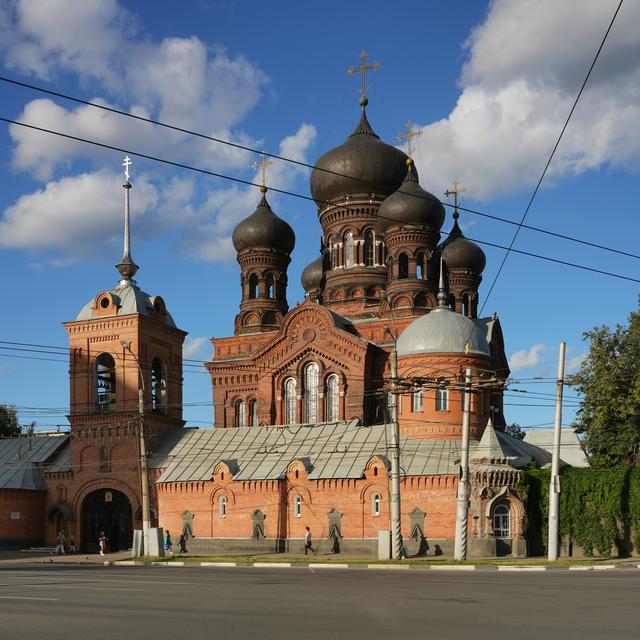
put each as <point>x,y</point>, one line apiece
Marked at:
<point>510,568</point>
<point>319,565</point>
<point>388,566</point>
<point>453,567</point>
<point>271,564</point>
<point>27,598</point>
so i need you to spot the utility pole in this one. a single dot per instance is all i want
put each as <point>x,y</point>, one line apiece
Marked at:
<point>462,498</point>
<point>554,488</point>
<point>144,471</point>
<point>396,536</point>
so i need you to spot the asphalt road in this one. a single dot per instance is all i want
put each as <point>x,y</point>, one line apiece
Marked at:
<point>92,602</point>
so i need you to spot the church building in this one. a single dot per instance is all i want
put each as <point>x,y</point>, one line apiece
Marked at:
<point>301,396</point>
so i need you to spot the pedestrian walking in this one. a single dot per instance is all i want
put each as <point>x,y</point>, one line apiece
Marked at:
<point>61,542</point>
<point>168,545</point>
<point>308,542</point>
<point>72,544</point>
<point>102,542</point>
<point>182,542</point>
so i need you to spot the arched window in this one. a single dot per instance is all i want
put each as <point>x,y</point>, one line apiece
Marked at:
<point>417,400</point>
<point>369,244</point>
<point>241,419</point>
<point>403,266</point>
<point>502,521</point>
<point>269,284</point>
<point>290,401</point>
<point>333,398</point>
<point>297,507</point>
<point>348,250</point>
<point>253,412</point>
<point>222,506</point>
<point>159,386</point>
<point>375,504</point>
<point>311,392</point>
<point>420,266</point>
<point>442,400</point>
<point>105,382</point>
<point>253,286</point>
<point>104,459</point>
<point>452,301</point>
<point>466,305</point>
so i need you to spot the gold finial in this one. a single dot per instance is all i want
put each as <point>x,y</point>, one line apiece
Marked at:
<point>455,192</point>
<point>262,165</point>
<point>362,69</point>
<point>409,136</point>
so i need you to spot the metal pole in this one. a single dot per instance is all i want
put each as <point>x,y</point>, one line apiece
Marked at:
<point>396,536</point>
<point>554,488</point>
<point>462,498</point>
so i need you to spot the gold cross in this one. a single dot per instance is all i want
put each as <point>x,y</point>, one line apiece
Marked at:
<point>362,69</point>
<point>411,133</point>
<point>262,165</point>
<point>455,192</point>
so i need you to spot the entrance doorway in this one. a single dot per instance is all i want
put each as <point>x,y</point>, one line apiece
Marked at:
<point>106,510</point>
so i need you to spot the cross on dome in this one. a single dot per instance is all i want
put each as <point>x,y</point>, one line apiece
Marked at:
<point>262,165</point>
<point>362,69</point>
<point>126,164</point>
<point>455,192</point>
<point>411,133</point>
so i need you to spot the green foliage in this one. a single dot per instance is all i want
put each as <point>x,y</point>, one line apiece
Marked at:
<point>609,381</point>
<point>9,426</point>
<point>599,508</point>
<point>515,431</point>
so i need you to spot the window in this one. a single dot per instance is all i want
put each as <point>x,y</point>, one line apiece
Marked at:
<point>417,400</point>
<point>375,504</point>
<point>333,398</point>
<point>290,401</point>
<point>369,242</point>
<point>297,507</point>
<point>253,410</point>
<point>466,305</point>
<point>104,459</point>
<point>348,250</point>
<point>501,521</point>
<point>222,506</point>
<point>403,266</point>
<point>253,286</point>
<point>105,382</point>
<point>241,420</point>
<point>158,386</point>
<point>442,400</point>
<point>311,393</point>
<point>269,286</point>
<point>420,264</point>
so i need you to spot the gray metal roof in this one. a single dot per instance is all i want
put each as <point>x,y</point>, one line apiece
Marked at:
<point>130,299</point>
<point>20,457</point>
<point>443,331</point>
<point>571,450</point>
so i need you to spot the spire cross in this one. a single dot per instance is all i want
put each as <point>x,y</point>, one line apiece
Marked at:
<point>455,192</point>
<point>362,69</point>
<point>411,133</point>
<point>262,165</point>
<point>126,164</point>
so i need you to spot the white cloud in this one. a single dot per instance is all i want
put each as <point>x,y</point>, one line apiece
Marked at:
<point>527,358</point>
<point>573,363</point>
<point>196,348</point>
<point>526,63</point>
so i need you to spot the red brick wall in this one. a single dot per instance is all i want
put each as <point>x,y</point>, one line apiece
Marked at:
<point>30,526</point>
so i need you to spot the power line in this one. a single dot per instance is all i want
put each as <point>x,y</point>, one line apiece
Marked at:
<point>305,164</point>
<point>544,171</point>
<point>293,194</point>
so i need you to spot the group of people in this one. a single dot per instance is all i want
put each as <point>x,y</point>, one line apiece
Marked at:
<point>63,546</point>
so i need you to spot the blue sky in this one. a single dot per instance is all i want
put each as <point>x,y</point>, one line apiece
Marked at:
<point>490,84</point>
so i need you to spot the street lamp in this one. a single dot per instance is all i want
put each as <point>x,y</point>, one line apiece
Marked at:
<point>144,472</point>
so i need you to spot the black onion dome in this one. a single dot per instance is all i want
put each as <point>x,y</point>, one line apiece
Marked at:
<point>312,275</point>
<point>459,253</point>
<point>373,167</point>
<point>263,228</point>
<point>411,204</point>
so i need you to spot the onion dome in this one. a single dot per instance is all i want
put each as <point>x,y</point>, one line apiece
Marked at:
<point>461,254</point>
<point>263,228</point>
<point>312,275</point>
<point>411,204</point>
<point>362,164</point>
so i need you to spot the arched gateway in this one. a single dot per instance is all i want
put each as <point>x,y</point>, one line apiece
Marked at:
<point>107,510</point>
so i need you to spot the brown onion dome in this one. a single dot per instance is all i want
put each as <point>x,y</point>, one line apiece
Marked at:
<point>312,275</point>
<point>461,254</point>
<point>363,164</point>
<point>411,204</point>
<point>263,228</point>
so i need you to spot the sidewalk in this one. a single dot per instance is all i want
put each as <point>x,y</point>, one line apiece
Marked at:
<point>22,557</point>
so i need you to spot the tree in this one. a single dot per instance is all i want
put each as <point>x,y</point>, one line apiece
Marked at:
<point>9,426</point>
<point>609,382</point>
<point>515,431</point>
